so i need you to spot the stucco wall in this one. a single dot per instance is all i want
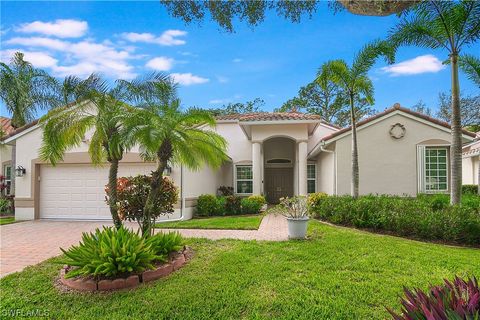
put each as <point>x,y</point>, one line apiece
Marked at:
<point>295,131</point>
<point>239,147</point>
<point>387,165</point>
<point>326,173</point>
<point>320,132</point>
<point>5,153</point>
<point>470,167</point>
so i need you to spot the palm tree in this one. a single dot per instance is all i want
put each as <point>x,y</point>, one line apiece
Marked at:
<point>470,65</point>
<point>23,89</point>
<point>448,25</point>
<point>104,113</point>
<point>73,89</point>
<point>170,135</point>
<point>356,85</point>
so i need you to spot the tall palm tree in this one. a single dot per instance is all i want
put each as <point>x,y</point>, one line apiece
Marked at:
<point>104,113</point>
<point>356,84</point>
<point>470,65</point>
<point>23,89</point>
<point>447,25</point>
<point>170,135</point>
<point>73,89</point>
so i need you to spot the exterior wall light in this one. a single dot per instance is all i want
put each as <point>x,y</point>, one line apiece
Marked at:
<point>20,171</point>
<point>168,171</point>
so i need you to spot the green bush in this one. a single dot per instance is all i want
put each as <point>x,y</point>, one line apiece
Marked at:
<point>470,189</point>
<point>164,243</point>
<point>220,210</point>
<point>427,217</point>
<point>252,204</point>
<point>110,252</point>
<point>4,205</point>
<point>233,205</point>
<point>206,205</point>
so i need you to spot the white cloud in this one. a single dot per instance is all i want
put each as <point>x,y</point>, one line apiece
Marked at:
<point>160,64</point>
<point>237,60</point>
<point>219,101</point>
<point>84,57</point>
<point>167,38</point>
<point>36,58</point>
<point>188,79</point>
<point>62,28</point>
<point>421,64</point>
<point>222,79</point>
<point>54,44</point>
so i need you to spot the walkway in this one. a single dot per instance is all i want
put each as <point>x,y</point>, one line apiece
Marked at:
<point>30,242</point>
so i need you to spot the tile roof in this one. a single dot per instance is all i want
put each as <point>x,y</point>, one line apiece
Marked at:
<point>23,128</point>
<point>396,107</point>
<point>6,125</point>
<point>269,116</point>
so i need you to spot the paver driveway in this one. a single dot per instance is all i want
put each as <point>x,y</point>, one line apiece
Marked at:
<point>28,243</point>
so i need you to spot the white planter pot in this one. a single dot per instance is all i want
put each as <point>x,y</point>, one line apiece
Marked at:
<point>297,228</point>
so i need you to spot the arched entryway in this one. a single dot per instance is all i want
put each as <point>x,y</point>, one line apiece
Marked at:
<point>279,163</point>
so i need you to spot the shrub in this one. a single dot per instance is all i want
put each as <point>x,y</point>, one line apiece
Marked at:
<point>295,207</point>
<point>225,191</point>
<point>314,198</point>
<point>233,205</point>
<point>457,300</point>
<point>4,205</point>
<point>133,193</point>
<point>220,210</point>
<point>420,218</point>
<point>164,243</point>
<point>206,205</point>
<point>110,252</point>
<point>252,204</point>
<point>470,189</point>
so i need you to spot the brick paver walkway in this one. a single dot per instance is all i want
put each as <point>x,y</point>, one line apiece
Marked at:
<point>28,243</point>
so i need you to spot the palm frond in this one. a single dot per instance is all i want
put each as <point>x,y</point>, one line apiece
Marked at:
<point>471,66</point>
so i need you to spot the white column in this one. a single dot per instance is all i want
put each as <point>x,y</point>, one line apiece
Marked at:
<point>257,167</point>
<point>302,168</point>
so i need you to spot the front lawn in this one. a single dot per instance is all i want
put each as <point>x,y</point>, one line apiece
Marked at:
<point>7,220</point>
<point>251,222</point>
<point>338,273</point>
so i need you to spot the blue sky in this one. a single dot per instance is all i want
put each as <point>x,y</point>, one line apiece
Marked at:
<point>271,61</point>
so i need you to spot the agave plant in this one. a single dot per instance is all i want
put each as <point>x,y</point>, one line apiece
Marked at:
<point>459,299</point>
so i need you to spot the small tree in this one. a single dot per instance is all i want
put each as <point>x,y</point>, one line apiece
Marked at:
<point>132,194</point>
<point>356,84</point>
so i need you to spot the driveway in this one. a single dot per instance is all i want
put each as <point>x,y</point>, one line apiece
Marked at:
<point>27,243</point>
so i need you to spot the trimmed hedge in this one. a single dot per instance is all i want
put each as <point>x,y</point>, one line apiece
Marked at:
<point>210,205</point>
<point>428,217</point>
<point>469,189</point>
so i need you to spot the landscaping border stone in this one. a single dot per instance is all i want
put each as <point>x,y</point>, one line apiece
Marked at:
<point>175,262</point>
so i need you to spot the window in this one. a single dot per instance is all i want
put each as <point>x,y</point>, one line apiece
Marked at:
<point>436,169</point>
<point>311,178</point>
<point>279,161</point>
<point>244,179</point>
<point>7,172</point>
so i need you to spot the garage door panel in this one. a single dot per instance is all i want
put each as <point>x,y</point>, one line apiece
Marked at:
<point>77,192</point>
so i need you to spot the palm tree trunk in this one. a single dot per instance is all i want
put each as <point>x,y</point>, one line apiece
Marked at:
<point>456,147</point>
<point>164,154</point>
<point>113,193</point>
<point>355,169</point>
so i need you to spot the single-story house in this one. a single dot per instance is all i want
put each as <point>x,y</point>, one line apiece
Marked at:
<point>276,154</point>
<point>471,162</point>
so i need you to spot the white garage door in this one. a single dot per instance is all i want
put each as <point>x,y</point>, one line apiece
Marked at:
<point>77,192</point>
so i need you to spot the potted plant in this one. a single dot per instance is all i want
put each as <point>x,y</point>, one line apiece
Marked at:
<point>295,209</point>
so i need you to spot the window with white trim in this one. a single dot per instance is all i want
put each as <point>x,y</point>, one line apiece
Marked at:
<point>243,179</point>
<point>311,178</point>
<point>436,169</point>
<point>7,173</point>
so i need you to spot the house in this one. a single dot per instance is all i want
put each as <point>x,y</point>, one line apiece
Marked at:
<point>471,162</point>
<point>276,154</point>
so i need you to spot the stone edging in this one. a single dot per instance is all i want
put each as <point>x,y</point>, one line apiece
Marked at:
<point>176,261</point>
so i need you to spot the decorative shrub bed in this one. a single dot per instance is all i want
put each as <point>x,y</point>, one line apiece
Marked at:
<point>210,205</point>
<point>120,258</point>
<point>428,217</point>
<point>459,299</point>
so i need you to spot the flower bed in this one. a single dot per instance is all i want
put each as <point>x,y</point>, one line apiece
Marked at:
<point>176,261</point>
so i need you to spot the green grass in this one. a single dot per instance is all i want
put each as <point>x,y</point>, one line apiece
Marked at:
<point>339,273</point>
<point>7,220</point>
<point>251,222</point>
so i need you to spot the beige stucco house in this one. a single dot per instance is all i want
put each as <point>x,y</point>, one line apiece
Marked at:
<point>276,154</point>
<point>471,162</point>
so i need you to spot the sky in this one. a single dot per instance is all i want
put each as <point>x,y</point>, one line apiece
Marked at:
<point>214,67</point>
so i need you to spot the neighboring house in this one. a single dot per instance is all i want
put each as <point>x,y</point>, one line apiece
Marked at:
<point>6,154</point>
<point>276,154</point>
<point>471,162</point>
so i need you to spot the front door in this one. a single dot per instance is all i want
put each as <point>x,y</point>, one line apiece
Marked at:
<point>278,183</point>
